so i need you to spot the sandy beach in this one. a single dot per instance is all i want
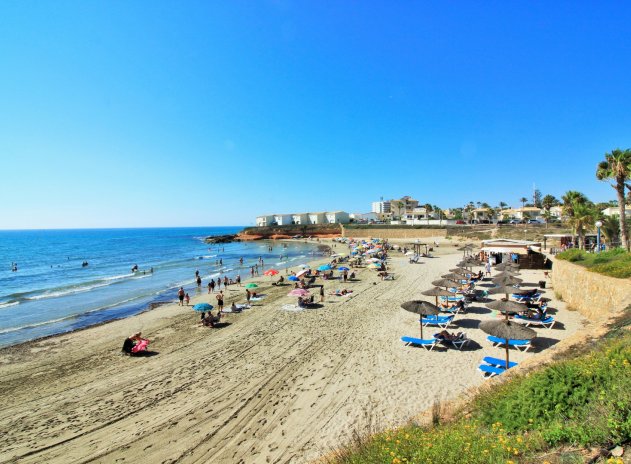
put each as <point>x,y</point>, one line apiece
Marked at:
<point>271,386</point>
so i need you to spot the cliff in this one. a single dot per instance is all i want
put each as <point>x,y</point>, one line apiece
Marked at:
<point>289,231</point>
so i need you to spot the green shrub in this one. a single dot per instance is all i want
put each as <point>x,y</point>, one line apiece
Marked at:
<point>612,263</point>
<point>572,255</point>
<point>582,401</point>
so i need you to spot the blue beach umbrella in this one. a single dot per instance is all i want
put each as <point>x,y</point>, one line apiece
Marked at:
<point>202,307</point>
<point>324,267</point>
<point>343,268</point>
<point>293,278</point>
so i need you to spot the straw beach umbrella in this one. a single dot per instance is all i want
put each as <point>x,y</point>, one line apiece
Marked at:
<point>504,266</point>
<point>445,283</point>
<point>507,280</point>
<point>508,331</point>
<point>505,289</point>
<point>437,292</point>
<point>422,308</point>
<point>454,276</point>
<point>506,306</point>
<point>506,273</point>
<point>459,270</point>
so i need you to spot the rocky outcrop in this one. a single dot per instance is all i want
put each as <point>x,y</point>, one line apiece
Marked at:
<point>291,231</point>
<point>222,238</point>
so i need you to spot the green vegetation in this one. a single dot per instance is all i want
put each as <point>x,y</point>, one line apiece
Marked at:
<point>612,263</point>
<point>580,402</point>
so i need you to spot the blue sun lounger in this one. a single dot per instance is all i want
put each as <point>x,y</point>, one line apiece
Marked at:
<point>521,345</point>
<point>490,371</point>
<point>428,344</point>
<point>458,342</point>
<point>491,361</point>
<point>440,321</point>
<point>546,322</point>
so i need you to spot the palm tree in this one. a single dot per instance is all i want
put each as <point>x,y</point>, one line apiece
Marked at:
<point>428,209</point>
<point>502,205</point>
<point>523,201</point>
<point>440,214</point>
<point>583,217</point>
<point>549,201</point>
<point>617,166</point>
<point>611,228</point>
<point>571,198</point>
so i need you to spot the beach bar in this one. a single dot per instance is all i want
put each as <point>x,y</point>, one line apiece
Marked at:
<point>523,252</point>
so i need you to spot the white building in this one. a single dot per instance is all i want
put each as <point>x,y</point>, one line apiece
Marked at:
<point>265,220</point>
<point>337,217</point>
<point>300,218</point>
<point>282,219</point>
<point>317,218</point>
<point>615,211</point>
<point>364,217</point>
<point>556,212</point>
<point>381,207</point>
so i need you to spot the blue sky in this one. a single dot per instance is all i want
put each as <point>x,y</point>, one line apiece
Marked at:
<point>131,114</point>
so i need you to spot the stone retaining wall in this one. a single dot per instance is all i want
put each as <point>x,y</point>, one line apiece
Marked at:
<point>593,295</point>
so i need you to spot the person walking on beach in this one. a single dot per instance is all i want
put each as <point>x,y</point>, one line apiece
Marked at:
<point>225,282</point>
<point>218,283</point>
<point>239,279</point>
<point>220,300</point>
<point>199,283</point>
<point>488,268</point>
<point>252,271</point>
<point>248,295</point>
<point>180,295</point>
<point>211,286</point>
<point>321,293</point>
<point>187,298</point>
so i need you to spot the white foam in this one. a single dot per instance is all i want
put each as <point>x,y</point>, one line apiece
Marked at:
<point>7,305</point>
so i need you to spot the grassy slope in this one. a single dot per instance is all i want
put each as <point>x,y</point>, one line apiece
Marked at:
<point>548,415</point>
<point>612,263</point>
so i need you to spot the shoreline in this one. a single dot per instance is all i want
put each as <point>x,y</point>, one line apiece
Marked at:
<point>131,309</point>
<point>269,386</point>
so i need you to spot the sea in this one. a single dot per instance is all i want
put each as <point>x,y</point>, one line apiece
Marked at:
<point>53,291</point>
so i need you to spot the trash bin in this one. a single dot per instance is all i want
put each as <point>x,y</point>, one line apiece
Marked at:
<point>542,284</point>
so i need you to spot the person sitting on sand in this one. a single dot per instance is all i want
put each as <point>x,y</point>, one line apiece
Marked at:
<point>135,344</point>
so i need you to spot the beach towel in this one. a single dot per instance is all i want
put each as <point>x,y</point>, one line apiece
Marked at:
<point>140,346</point>
<point>240,308</point>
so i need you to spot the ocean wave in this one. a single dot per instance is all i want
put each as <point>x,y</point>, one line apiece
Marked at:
<point>9,304</point>
<point>83,287</point>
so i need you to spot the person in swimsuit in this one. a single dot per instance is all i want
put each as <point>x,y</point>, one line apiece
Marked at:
<point>180,295</point>
<point>219,300</point>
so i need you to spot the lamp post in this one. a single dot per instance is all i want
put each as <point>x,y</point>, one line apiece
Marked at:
<point>599,224</point>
